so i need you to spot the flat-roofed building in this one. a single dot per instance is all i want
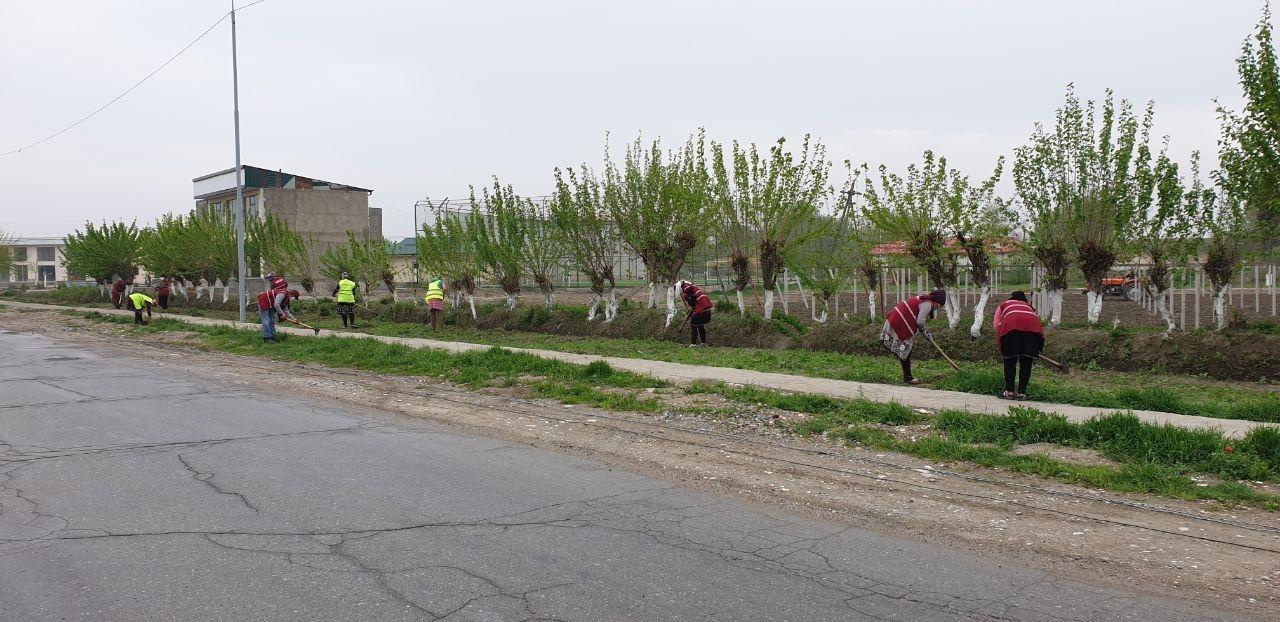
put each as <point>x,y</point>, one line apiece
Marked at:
<point>37,261</point>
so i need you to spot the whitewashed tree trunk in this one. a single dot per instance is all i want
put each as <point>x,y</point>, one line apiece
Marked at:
<point>226,291</point>
<point>1220,306</point>
<point>596,300</point>
<point>199,289</point>
<point>1054,300</point>
<point>471,301</point>
<point>742,302</point>
<point>671,304</point>
<point>826,305</point>
<point>610,305</point>
<point>980,311</point>
<point>1094,301</point>
<point>1163,310</point>
<point>653,297</point>
<point>768,304</point>
<point>954,312</point>
<point>104,289</point>
<point>512,299</point>
<point>1095,305</point>
<point>871,303</point>
<point>128,289</point>
<point>182,288</point>
<point>549,298</point>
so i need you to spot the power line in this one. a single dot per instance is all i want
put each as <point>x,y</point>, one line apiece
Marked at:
<point>128,90</point>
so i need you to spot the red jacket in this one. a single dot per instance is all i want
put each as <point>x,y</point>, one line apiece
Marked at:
<point>697,299</point>
<point>1016,315</point>
<point>903,318</point>
<point>163,289</point>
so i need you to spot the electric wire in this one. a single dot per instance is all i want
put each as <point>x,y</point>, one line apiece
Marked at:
<point>128,90</point>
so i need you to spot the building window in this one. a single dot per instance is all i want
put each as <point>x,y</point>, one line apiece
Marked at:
<point>44,253</point>
<point>47,275</point>
<point>19,253</point>
<point>20,273</point>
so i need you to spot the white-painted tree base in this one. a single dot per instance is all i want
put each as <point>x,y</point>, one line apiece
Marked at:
<point>768,304</point>
<point>980,311</point>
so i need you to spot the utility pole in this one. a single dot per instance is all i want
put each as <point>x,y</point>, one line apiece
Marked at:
<point>235,91</point>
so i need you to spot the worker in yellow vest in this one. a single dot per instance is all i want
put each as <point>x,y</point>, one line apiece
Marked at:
<point>139,301</point>
<point>435,303</point>
<point>345,294</point>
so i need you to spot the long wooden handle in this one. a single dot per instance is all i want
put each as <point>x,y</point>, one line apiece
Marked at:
<point>1053,363</point>
<point>944,354</point>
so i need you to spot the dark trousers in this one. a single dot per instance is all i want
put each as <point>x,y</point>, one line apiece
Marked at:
<point>906,369</point>
<point>697,334</point>
<point>1022,366</point>
<point>698,327</point>
<point>1020,350</point>
<point>164,301</point>
<point>137,316</point>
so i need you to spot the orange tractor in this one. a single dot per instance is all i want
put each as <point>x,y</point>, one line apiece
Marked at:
<point>1124,286</point>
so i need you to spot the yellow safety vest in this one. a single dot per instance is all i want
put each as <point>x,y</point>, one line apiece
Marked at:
<point>140,300</point>
<point>435,291</point>
<point>346,290</point>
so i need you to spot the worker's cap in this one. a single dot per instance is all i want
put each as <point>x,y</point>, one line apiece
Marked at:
<point>293,293</point>
<point>938,296</point>
<point>345,275</point>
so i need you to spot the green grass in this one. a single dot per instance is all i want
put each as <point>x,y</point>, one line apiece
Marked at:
<point>1154,458</point>
<point>566,382</point>
<point>1138,391</point>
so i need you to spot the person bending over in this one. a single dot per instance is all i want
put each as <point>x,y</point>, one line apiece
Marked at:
<point>905,322</point>
<point>140,302</point>
<point>1019,340</point>
<point>699,306</point>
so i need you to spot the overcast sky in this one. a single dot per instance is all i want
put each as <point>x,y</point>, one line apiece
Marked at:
<point>423,98</point>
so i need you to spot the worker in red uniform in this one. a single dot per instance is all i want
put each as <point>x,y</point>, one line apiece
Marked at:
<point>117,292</point>
<point>699,306</point>
<point>1019,340</point>
<point>162,292</point>
<point>905,322</point>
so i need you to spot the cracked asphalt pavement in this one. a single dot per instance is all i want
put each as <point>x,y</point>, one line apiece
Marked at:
<point>130,491</point>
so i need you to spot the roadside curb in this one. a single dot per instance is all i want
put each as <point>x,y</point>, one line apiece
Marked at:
<point>683,374</point>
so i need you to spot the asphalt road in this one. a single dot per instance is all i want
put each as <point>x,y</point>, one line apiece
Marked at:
<point>131,492</point>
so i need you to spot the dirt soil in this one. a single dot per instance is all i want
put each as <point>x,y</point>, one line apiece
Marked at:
<point>1226,556</point>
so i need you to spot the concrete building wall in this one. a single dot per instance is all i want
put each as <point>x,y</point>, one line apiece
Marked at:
<point>325,215</point>
<point>38,262</point>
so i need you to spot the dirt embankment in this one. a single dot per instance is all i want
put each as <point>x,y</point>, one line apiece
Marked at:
<point>1225,356</point>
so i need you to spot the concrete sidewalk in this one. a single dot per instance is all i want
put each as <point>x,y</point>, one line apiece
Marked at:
<point>681,373</point>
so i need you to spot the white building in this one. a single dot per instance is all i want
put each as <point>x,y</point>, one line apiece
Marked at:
<point>38,262</point>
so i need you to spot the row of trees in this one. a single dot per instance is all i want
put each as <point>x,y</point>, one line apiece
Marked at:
<point>197,251</point>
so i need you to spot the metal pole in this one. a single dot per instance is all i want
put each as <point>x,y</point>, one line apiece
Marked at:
<point>235,91</point>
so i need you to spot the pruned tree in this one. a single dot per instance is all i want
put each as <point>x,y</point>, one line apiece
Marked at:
<point>658,205</point>
<point>776,198</point>
<point>543,250</point>
<point>1252,136</point>
<point>1079,182</point>
<point>164,251</point>
<point>1163,227</point>
<point>978,219</point>
<point>1222,219</point>
<point>297,253</point>
<point>828,263</point>
<point>914,209</point>
<point>446,249</point>
<point>579,212</point>
<point>498,223</point>
<point>367,260</point>
<point>105,251</point>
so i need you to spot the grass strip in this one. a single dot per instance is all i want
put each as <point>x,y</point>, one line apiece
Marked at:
<point>1157,392</point>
